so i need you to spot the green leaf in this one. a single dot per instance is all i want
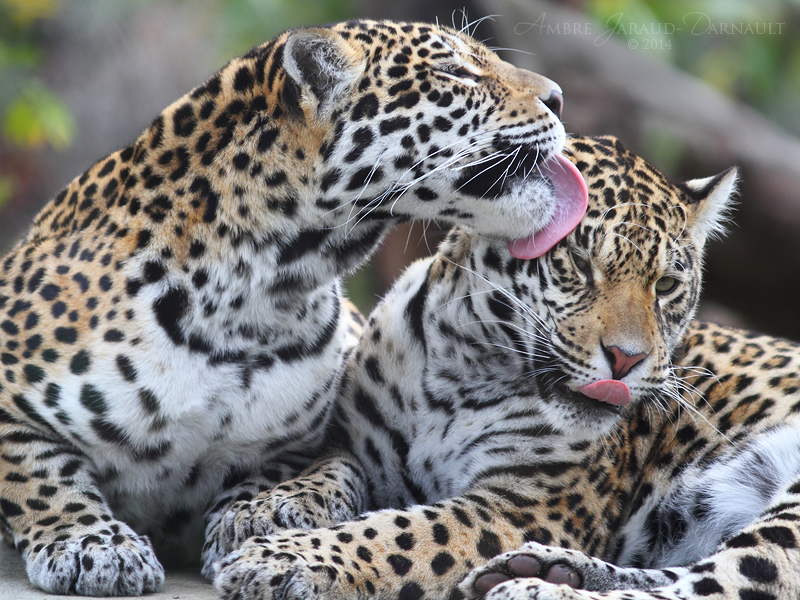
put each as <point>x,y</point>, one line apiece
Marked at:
<point>36,118</point>
<point>24,12</point>
<point>6,190</point>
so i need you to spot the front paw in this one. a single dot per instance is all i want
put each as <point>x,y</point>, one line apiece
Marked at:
<point>555,565</point>
<point>532,560</point>
<point>260,571</point>
<point>104,564</point>
<point>278,510</point>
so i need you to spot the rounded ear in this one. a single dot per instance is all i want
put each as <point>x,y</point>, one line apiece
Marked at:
<point>709,201</point>
<point>321,63</point>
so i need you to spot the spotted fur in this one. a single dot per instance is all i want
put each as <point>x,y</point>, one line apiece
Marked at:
<point>459,412</point>
<point>724,527</point>
<point>171,324</point>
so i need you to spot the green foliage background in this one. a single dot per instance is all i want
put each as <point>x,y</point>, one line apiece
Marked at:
<point>30,115</point>
<point>760,69</point>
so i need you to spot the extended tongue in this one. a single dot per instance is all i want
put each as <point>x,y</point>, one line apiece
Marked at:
<point>571,197</point>
<point>611,391</point>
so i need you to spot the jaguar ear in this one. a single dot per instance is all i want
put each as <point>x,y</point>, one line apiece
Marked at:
<point>709,203</point>
<point>321,63</point>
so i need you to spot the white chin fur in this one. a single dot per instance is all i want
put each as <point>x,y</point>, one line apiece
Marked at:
<point>530,205</point>
<point>573,423</point>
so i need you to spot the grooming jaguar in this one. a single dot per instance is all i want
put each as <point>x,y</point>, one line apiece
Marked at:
<point>566,401</point>
<point>172,321</point>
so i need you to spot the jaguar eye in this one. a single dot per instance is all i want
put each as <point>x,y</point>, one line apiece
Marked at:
<point>665,285</point>
<point>465,73</point>
<point>458,72</point>
<point>581,264</point>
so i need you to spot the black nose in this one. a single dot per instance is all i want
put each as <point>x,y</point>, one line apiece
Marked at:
<point>555,102</point>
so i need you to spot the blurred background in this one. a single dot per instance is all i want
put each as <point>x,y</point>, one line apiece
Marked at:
<point>693,86</point>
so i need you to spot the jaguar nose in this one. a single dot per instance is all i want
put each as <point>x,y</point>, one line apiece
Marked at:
<point>621,362</point>
<point>554,102</point>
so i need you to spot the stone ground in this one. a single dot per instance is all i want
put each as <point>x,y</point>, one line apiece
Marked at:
<point>181,585</point>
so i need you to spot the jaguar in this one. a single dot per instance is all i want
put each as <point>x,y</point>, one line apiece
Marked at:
<point>171,324</point>
<point>568,403</point>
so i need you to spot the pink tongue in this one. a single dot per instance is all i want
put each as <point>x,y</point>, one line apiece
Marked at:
<point>608,390</point>
<point>571,195</point>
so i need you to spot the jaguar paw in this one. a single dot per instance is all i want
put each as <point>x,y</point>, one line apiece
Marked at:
<point>103,564</point>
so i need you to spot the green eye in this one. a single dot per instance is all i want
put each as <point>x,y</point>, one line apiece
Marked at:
<point>665,285</point>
